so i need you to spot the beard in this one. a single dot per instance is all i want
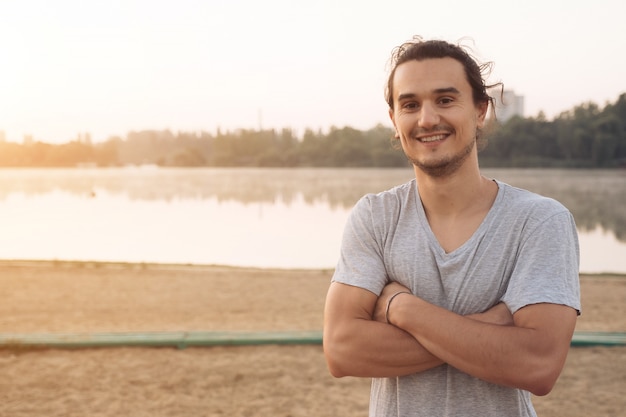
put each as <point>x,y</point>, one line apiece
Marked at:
<point>444,166</point>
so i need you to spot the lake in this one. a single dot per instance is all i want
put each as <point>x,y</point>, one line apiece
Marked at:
<point>270,218</point>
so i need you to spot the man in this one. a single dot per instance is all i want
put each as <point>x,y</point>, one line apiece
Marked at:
<point>458,294</point>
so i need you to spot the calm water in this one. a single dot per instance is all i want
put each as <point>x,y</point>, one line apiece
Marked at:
<point>286,218</point>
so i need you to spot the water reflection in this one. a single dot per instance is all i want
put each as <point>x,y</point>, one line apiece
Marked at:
<point>286,218</point>
<point>337,187</point>
<point>60,225</point>
<point>596,198</point>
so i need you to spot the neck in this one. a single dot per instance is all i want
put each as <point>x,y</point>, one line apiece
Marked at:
<point>455,194</point>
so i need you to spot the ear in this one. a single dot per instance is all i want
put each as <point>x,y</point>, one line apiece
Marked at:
<point>393,120</point>
<point>481,113</point>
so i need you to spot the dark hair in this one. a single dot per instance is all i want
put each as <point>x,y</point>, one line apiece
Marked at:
<point>418,49</point>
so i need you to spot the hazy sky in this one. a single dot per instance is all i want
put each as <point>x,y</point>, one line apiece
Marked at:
<point>108,67</point>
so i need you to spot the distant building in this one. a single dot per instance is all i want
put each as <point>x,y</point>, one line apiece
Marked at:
<point>508,105</point>
<point>84,138</point>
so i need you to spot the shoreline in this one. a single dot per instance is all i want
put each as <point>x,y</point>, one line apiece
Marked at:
<point>145,265</point>
<point>220,267</point>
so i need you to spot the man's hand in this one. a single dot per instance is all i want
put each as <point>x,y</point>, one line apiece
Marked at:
<point>381,305</point>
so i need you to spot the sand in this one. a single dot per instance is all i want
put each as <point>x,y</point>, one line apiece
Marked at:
<point>267,380</point>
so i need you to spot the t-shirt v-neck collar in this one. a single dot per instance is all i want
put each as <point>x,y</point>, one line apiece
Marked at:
<point>480,231</point>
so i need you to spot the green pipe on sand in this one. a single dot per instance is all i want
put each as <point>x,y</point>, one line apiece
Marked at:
<point>158,339</point>
<point>182,340</point>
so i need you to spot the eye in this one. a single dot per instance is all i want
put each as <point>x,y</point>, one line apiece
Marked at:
<point>446,100</point>
<point>410,105</point>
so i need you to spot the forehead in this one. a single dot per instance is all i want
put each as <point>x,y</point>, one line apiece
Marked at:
<point>420,77</point>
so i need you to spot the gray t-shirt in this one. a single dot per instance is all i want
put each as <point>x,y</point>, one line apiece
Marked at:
<point>524,252</point>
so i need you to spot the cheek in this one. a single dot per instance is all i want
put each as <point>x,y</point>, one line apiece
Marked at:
<point>404,121</point>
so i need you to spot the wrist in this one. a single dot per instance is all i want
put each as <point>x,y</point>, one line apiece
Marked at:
<point>389,302</point>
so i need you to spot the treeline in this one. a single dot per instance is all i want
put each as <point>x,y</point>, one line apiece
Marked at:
<point>584,137</point>
<point>340,147</point>
<point>587,136</point>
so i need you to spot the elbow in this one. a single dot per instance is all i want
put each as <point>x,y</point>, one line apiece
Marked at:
<point>335,369</point>
<point>541,389</point>
<point>543,380</point>
<point>334,360</point>
<point>543,386</point>
<point>338,352</point>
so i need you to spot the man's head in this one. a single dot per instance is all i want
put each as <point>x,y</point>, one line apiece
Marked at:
<point>438,102</point>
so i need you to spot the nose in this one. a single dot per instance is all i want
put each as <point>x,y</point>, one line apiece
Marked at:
<point>428,115</point>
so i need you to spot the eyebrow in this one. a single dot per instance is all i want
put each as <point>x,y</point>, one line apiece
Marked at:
<point>446,90</point>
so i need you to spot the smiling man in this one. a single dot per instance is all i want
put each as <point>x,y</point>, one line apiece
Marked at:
<point>458,294</point>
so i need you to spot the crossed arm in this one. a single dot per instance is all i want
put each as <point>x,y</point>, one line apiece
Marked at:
<point>526,350</point>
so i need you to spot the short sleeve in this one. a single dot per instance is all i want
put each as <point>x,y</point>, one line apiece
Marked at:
<point>547,266</point>
<point>361,257</point>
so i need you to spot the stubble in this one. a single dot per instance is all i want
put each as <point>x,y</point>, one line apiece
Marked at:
<point>444,166</point>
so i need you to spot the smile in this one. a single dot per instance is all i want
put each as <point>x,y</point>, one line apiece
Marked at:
<point>433,138</point>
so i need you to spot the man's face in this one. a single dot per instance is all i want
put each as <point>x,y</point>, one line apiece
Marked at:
<point>435,115</point>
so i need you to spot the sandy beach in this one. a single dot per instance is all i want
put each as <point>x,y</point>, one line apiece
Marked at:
<point>265,380</point>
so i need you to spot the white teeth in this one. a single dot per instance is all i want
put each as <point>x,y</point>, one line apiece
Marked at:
<point>432,138</point>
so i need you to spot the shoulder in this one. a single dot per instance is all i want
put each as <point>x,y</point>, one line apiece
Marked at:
<point>518,201</point>
<point>380,211</point>
<point>530,213</point>
<point>395,197</point>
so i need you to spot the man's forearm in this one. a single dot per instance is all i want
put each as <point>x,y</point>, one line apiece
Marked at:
<point>524,355</point>
<point>366,348</point>
<point>357,345</point>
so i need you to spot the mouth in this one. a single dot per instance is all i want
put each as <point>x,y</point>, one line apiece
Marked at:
<point>433,138</point>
